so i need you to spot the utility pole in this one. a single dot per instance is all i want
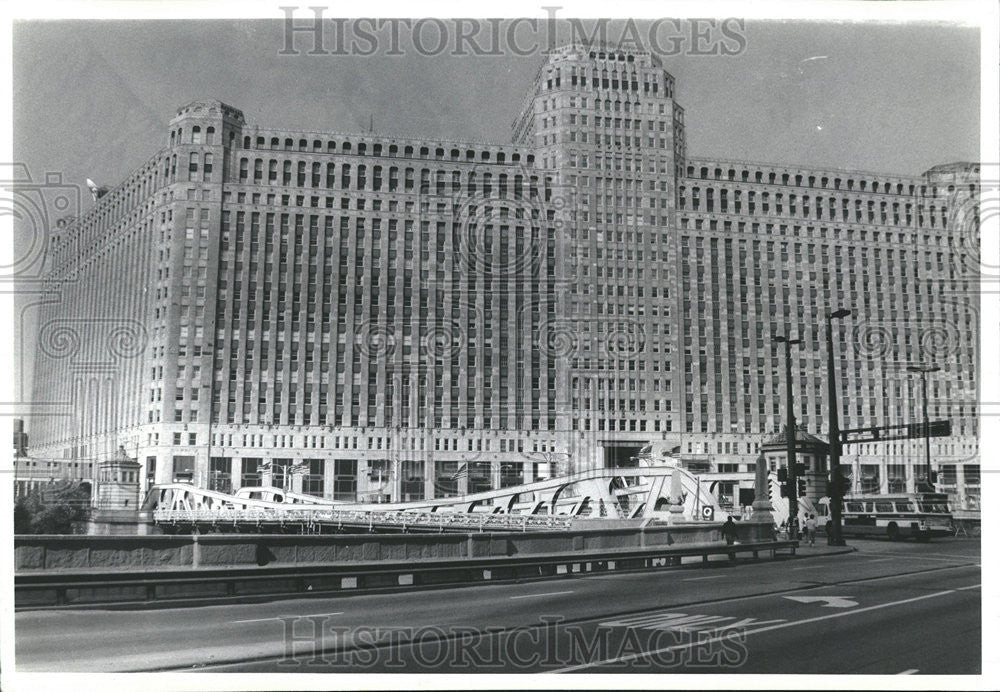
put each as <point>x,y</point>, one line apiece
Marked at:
<point>835,536</point>
<point>923,370</point>
<point>793,489</point>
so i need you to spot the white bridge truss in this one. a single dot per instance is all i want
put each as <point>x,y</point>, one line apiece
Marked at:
<point>554,503</point>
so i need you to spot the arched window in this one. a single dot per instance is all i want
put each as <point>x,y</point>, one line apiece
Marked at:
<point>286,173</point>
<point>208,168</point>
<point>193,167</point>
<point>210,136</point>
<point>272,172</point>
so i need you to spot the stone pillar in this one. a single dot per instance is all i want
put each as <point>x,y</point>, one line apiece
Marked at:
<point>328,469</point>
<point>675,499</point>
<point>297,478</point>
<point>762,509</point>
<point>495,474</point>
<point>396,480</point>
<point>463,479</point>
<point>429,478</point>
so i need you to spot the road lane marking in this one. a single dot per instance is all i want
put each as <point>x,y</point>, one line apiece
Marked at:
<point>539,595</point>
<point>768,628</point>
<point>911,671</point>
<point>828,601</point>
<point>883,559</point>
<point>285,617</point>
<point>968,558</point>
<point>714,576</point>
<point>966,588</point>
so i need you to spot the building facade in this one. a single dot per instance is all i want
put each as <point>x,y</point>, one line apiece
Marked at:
<point>416,318</point>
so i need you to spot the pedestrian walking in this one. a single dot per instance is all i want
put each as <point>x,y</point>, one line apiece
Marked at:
<point>811,529</point>
<point>729,531</point>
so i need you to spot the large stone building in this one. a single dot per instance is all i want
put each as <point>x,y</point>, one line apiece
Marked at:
<point>416,317</point>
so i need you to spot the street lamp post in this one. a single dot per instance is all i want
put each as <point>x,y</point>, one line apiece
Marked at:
<point>923,370</point>
<point>793,488</point>
<point>835,536</point>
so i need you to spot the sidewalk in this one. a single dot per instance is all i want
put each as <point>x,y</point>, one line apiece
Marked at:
<point>821,548</point>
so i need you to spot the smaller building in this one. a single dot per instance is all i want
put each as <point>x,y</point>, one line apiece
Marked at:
<point>118,483</point>
<point>810,451</point>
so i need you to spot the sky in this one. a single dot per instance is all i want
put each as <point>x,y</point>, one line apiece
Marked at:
<point>92,99</point>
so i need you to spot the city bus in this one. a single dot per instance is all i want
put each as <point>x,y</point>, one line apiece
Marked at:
<point>897,516</point>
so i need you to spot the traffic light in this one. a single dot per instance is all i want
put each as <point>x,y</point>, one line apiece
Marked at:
<point>783,481</point>
<point>840,486</point>
<point>802,486</point>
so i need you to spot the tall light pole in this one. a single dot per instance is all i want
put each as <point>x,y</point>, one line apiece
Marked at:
<point>835,536</point>
<point>793,483</point>
<point>923,370</point>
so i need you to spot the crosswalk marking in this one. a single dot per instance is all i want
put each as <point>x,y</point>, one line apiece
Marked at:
<point>682,622</point>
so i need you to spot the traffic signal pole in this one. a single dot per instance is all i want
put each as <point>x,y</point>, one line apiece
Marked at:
<point>793,486</point>
<point>836,536</point>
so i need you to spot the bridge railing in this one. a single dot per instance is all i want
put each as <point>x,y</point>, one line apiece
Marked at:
<point>369,519</point>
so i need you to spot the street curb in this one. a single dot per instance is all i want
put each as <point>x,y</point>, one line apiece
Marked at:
<point>840,551</point>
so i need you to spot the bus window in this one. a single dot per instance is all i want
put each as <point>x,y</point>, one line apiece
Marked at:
<point>883,507</point>
<point>934,507</point>
<point>854,507</point>
<point>905,507</point>
<point>868,507</point>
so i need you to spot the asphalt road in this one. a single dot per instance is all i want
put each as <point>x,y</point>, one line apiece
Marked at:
<point>888,608</point>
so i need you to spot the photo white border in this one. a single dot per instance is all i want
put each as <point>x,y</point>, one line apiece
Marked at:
<point>985,15</point>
